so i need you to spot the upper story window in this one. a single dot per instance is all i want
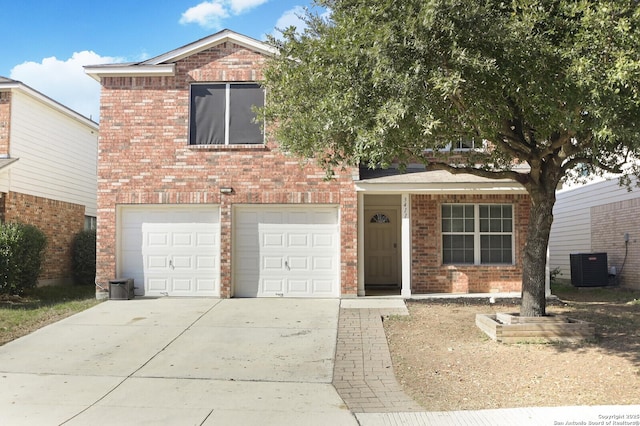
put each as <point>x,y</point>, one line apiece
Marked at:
<point>222,114</point>
<point>462,145</point>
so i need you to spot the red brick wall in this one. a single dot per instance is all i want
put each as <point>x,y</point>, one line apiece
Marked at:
<point>429,275</point>
<point>145,157</point>
<point>59,221</point>
<point>5,122</point>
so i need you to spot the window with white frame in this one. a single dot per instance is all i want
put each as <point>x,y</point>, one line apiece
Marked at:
<point>465,144</point>
<point>222,114</point>
<point>477,234</point>
<point>462,145</point>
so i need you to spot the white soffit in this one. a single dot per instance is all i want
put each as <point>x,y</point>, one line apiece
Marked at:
<point>438,182</point>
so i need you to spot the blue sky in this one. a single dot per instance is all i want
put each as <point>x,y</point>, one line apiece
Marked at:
<point>45,43</point>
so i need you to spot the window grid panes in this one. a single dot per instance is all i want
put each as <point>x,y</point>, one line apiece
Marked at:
<point>487,240</point>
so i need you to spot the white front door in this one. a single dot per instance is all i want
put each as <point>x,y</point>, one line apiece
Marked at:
<point>381,246</point>
<point>171,250</point>
<point>286,251</point>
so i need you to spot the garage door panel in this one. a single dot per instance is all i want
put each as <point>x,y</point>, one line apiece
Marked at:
<point>157,262</point>
<point>273,286</point>
<point>182,239</point>
<point>184,285</point>
<point>273,263</point>
<point>204,239</point>
<point>206,262</point>
<point>325,217</point>
<point>157,284</point>
<point>297,264</point>
<point>298,287</point>
<point>324,263</point>
<point>156,239</point>
<point>277,251</point>
<point>324,240</point>
<point>299,217</point>
<point>323,286</point>
<point>172,249</point>
<point>182,262</point>
<point>205,285</point>
<point>271,239</point>
<point>269,217</point>
<point>299,240</point>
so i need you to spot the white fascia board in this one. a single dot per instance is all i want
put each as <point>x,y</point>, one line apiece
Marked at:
<point>208,42</point>
<point>23,88</point>
<point>471,188</point>
<point>99,71</point>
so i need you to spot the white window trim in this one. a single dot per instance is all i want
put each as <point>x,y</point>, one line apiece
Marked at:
<point>227,113</point>
<point>478,147</point>
<point>477,234</point>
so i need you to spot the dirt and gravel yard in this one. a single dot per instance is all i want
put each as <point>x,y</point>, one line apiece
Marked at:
<point>446,363</point>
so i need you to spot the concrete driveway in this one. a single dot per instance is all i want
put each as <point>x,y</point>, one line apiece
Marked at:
<point>178,361</point>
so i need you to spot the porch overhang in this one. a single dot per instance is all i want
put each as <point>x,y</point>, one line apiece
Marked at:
<point>433,182</point>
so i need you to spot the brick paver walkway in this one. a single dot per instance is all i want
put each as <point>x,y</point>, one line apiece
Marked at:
<point>363,373</point>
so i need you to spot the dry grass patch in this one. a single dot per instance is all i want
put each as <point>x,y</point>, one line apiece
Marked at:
<point>446,363</point>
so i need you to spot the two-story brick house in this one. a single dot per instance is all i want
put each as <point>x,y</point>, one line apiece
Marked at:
<point>193,200</point>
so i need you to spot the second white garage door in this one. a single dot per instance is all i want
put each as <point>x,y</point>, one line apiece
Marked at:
<point>286,251</point>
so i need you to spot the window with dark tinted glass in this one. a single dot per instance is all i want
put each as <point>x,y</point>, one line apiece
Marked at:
<point>222,114</point>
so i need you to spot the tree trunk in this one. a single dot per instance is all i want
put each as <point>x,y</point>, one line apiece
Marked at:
<point>533,303</point>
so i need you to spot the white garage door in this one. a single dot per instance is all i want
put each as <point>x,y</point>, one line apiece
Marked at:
<point>170,250</point>
<point>286,252</point>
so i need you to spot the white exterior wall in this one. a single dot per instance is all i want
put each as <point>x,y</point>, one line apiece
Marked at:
<point>571,230</point>
<point>4,181</point>
<point>57,154</point>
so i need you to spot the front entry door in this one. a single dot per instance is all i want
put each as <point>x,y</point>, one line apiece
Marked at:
<point>381,247</point>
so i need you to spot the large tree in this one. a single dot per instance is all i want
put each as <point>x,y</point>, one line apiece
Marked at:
<point>550,84</point>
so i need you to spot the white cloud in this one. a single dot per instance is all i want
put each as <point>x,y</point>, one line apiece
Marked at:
<point>291,18</point>
<point>65,80</point>
<point>206,14</point>
<point>209,14</point>
<point>240,6</point>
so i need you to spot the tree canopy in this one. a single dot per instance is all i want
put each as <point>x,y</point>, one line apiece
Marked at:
<point>554,84</point>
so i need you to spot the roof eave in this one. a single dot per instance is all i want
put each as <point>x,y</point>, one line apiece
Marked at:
<point>506,187</point>
<point>139,70</point>
<point>23,88</point>
<point>210,41</point>
<point>6,163</point>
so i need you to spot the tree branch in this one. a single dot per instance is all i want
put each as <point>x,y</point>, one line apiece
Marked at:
<point>489,174</point>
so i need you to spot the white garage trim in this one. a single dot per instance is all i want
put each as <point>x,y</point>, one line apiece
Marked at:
<point>169,249</point>
<point>286,251</point>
